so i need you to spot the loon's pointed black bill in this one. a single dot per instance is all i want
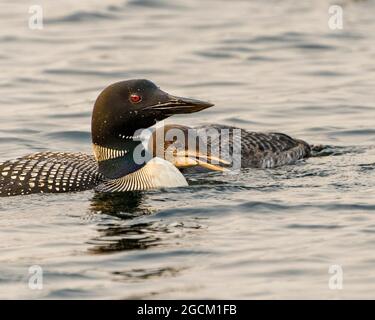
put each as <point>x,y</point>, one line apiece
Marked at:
<point>180,105</point>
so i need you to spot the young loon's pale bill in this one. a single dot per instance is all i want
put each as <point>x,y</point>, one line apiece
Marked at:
<point>186,159</point>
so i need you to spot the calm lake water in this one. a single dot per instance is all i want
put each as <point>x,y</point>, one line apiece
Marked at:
<point>268,66</point>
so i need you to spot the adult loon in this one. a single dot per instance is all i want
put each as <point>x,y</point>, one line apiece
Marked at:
<point>120,111</point>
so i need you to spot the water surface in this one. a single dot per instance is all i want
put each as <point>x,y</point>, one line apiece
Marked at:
<point>268,66</point>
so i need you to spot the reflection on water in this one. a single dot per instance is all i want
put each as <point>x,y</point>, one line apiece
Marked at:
<point>118,237</point>
<point>125,233</point>
<point>124,205</point>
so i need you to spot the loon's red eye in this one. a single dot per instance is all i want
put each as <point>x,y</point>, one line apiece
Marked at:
<point>135,98</point>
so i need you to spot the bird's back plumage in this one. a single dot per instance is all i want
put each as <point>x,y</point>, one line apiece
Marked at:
<point>48,172</point>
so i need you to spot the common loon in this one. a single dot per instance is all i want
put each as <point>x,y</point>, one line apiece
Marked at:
<point>120,111</point>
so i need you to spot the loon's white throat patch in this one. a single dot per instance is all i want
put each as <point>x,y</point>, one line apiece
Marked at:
<point>157,173</point>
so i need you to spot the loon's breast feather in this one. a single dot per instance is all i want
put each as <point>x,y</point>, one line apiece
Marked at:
<point>156,174</point>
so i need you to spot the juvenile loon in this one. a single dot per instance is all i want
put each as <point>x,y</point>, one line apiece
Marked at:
<point>255,149</point>
<point>119,112</point>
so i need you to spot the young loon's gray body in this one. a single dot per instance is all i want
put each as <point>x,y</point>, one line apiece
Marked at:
<point>260,150</point>
<point>120,110</point>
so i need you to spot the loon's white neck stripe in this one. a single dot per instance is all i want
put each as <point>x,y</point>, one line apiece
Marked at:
<point>103,153</point>
<point>157,173</point>
<point>122,136</point>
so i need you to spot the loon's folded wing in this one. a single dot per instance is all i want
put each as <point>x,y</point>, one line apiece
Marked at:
<point>48,172</point>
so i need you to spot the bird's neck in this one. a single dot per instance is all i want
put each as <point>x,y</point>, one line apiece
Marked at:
<point>120,155</point>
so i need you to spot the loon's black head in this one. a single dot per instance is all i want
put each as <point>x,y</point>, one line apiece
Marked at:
<point>124,108</point>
